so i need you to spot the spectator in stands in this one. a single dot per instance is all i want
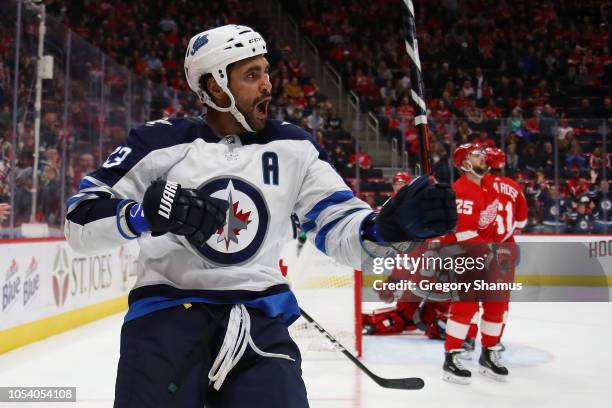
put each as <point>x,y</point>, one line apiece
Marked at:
<point>548,122</point>
<point>5,211</point>
<point>580,218</point>
<point>529,160</point>
<point>596,161</point>
<point>85,166</point>
<point>512,159</point>
<point>25,149</point>
<point>517,124</point>
<point>554,210</point>
<point>49,131</point>
<point>464,133</point>
<point>315,120</point>
<point>532,126</point>
<point>441,168</point>
<point>484,139</point>
<point>333,122</point>
<point>602,200</point>
<point>49,193</point>
<point>563,129</point>
<point>51,157</point>
<point>23,196</point>
<point>293,89</point>
<point>474,115</point>
<point>365,161</point>
<point>339,158</point>
<point>546,158</point>
<point>577,184</point>
<point>575,158</point>
<point>585,111</point>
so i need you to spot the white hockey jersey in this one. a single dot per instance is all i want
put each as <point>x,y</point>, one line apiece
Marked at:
<point>265,177</point>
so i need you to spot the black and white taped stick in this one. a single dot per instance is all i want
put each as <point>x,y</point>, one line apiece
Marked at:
<point>417,92</point>
<point>412,383</point>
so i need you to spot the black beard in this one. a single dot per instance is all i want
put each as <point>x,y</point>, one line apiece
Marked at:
<point>480,171</point>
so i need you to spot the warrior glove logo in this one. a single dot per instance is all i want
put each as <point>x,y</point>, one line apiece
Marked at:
<point>165,205</point>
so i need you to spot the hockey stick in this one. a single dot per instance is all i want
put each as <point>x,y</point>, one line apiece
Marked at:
<point>417,92</point>
<point>413,383</point>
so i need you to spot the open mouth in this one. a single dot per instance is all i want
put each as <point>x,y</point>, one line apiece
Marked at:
<point>262,108</point>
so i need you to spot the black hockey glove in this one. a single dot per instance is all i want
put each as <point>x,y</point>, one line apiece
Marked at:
<point>423,209</point>
<point>183,211</point>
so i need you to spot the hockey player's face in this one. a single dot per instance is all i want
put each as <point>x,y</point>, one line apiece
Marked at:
<point>478,162</point>
<point>250,85</point>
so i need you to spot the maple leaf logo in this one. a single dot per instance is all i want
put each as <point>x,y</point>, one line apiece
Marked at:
<point>237,220</point>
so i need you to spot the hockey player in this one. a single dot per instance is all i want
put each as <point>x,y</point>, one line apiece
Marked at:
<point>477,205</point>
<point>400,179</point>
<point>511,216</point>
<point>208,200</point>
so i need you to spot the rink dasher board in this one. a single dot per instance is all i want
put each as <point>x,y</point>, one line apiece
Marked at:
<point>48,288</point>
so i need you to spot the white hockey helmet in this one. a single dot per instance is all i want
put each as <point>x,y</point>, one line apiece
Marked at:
<point>211,51</point>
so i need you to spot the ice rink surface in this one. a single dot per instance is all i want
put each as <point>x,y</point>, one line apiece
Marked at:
<point>558,354</point>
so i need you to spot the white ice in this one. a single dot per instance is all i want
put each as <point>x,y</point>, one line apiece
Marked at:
<point>558,354</point>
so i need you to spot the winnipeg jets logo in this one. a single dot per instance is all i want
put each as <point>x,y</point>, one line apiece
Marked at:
<point>236,221</point>
<point>246,224</point>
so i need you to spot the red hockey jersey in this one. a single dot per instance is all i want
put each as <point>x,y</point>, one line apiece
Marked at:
<point>476,209</point>
<point>511,211</point>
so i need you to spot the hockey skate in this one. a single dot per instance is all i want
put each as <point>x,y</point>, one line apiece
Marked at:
<point>491,365</point>
<point>454,371</point>
<point>468,347</point>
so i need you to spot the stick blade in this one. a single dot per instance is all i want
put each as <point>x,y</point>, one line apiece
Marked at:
<point>413,383</point>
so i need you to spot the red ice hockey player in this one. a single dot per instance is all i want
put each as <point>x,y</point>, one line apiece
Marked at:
<point>511,216</point>
<point>400,179</point>
<point>477,205</point>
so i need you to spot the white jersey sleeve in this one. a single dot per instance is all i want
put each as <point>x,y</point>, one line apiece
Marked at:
<point>95,217</point>
<point>330,214</point>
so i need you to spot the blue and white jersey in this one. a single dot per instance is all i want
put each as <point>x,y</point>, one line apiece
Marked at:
<point>265,177</point>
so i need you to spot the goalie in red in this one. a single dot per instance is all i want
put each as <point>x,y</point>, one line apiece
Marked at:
<point>411,312</point>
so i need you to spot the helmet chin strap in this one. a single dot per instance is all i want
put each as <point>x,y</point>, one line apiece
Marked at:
<point>471,170</point>
<point>222,82</point>
<point>205,99</point>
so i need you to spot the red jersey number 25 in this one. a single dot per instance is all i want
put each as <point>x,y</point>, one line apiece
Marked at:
<point>464,207</point>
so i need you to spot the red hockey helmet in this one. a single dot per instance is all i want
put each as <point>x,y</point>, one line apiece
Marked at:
<point>402,176</point>
<point>496,158</point>
<point>463,151</point>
